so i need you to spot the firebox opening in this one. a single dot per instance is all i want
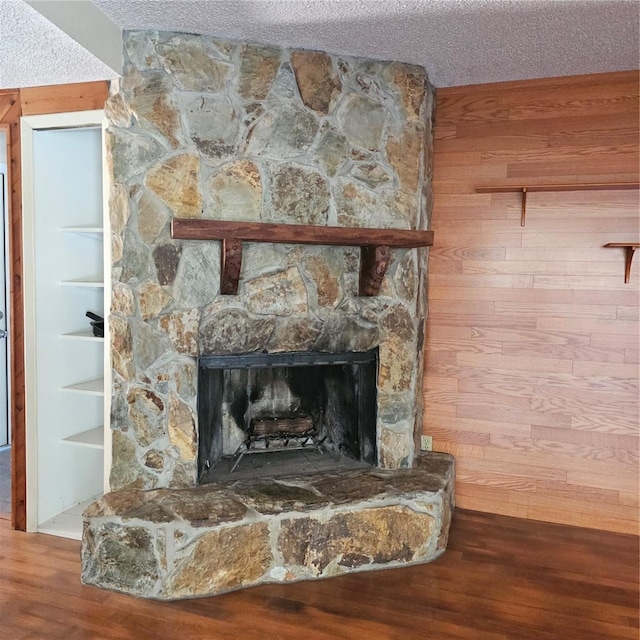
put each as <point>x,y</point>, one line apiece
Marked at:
<point>273,414</point>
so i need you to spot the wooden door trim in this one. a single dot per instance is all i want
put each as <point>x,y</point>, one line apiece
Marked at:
<point>83,96</point>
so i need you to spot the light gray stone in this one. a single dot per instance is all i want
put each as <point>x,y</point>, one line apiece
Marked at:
<point>197,280</point>
<point>281,294</point>
<point>140,47</point>
<point>235,193</point>
<point>149,344</point>
<point>137,263</point>
<point>130,154</point>
<point>234,331</point>
<point>362,120</point>
<point>282,133</point>
<point>299,195</point>
<point>332,149</point>
<point>294,334</point>
<point>191,64</point>
<point>213,125</point>
<point>152,217</point>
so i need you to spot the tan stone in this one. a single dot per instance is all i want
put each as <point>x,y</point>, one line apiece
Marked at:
<point>175,182</point>
<point>400,210</point>
<point>280,294</point>
<point>147,415</point>
<point>326,275</point>
<point>117,248</point>
<point>117,111</point>
<point>355,205</point>
<point>396,447</point>
<point>258,68</point>
<point>396,368</point>
<point>118,207</point>
<point>152,298</point>
<point>222,560</point>
<point>411,81</point>
<point>404,153</point>
<point>123,469</point>
<point>182,428</point>
<point>355,539</point>
<point>317,81</point>
<point>121,346</point>
<point>122,301</point>
<point>294,334</point>
<point>235,193</point>
<point>182,329</point>
<point>152,217</point>
<point>152,103</point>
<point>405,277</point>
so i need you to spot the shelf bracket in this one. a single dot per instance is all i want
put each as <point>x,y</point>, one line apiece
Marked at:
<point>523,211</point>
<point>630,249</point>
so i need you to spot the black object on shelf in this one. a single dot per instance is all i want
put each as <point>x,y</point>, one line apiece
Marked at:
<point>97,324</point>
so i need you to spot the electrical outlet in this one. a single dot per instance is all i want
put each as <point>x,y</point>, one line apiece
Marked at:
<point>426,443</point>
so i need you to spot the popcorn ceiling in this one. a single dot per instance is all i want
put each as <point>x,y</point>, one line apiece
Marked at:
<point>459,42</point>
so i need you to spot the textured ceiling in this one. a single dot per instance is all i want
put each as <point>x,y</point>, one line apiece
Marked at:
<point>458,41</point>
<point>35,52</point>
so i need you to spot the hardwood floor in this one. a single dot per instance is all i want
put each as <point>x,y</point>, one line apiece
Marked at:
<point>501,578</point>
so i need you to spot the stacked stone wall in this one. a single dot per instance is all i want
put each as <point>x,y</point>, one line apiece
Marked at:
<point>203,128</point>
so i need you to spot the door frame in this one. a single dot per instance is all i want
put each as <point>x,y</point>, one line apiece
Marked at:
<point>14,103</point>
<point>4,240</point>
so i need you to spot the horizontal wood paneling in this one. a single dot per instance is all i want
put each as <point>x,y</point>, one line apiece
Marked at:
<point>532,336</point>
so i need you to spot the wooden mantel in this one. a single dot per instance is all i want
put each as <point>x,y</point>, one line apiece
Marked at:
<point>375,244</point>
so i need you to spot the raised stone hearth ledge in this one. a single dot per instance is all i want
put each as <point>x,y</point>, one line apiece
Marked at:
<point>183,543</point>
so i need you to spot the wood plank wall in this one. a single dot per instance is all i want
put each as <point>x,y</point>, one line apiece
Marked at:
<point>532,336</point>
<point>13,104</point>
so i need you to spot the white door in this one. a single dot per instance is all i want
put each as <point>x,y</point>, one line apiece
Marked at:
<point>4,369</point>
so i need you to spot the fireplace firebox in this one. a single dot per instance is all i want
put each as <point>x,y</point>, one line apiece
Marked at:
<point>282,413</point>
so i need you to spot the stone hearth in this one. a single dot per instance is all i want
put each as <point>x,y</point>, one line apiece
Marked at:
<point>176,543</point>
<point>204,128</point>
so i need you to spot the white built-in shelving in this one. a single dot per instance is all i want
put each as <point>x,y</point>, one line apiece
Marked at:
<point>67,388</point>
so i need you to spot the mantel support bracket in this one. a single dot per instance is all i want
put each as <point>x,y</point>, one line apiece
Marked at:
<point>230,266</point>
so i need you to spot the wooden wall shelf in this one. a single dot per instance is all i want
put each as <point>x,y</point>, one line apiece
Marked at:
<point>524,189</point>
<point>630,249</point>
<point>375,244</point>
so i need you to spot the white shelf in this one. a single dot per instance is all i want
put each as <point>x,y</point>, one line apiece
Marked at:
<point>82,335</point>
<point>67,524</point>
<point>92,438</point>
<point>92,283</point>
<point>88,229</point>
<point>90,387</point>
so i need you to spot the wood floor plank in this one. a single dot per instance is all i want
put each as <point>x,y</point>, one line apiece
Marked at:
<point>501,578</point>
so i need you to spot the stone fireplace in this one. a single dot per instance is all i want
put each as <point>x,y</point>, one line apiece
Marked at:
<point>201,128</point>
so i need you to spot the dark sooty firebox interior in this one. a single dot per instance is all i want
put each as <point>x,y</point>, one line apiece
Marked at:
<point>276,414</point>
